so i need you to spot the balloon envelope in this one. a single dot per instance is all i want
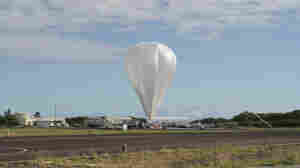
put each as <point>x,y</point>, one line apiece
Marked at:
<point>150,68</point>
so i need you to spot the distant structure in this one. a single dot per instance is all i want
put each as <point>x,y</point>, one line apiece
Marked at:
<point>49,122</point>
<point>24,119</point>
<point>114,122</point>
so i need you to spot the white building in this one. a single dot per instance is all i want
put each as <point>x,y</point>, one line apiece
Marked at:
<point>24,119</point>
<point>43,123</point>
<point>49,122</point>
<point>107,121</point>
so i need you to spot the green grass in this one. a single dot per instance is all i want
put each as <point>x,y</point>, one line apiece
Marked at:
<point>220,157</point>
<point>65,131</point>
<point>272,129</point>
<point>43,132</point>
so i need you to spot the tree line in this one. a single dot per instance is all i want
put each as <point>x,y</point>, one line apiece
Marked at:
<point>8,119</point>
<point>246,118</point>
<point>252,119</point>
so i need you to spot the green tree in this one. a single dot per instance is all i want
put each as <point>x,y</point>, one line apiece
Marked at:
<point>76,121</point>
<point>7,112</point>
<point>11,120</point>
<point>2,120</point>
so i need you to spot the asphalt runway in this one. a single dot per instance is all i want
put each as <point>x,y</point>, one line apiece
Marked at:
<point>24,148</point>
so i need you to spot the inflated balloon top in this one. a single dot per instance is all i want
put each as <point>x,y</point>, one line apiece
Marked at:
<point>150,67</point>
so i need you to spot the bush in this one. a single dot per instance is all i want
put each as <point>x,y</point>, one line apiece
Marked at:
<point>9,120</point>
<point>12,121</point>
<point>76,121</point>
<point>2,120</point>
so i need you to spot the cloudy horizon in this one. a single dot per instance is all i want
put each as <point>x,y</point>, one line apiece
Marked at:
<point>231,54</point>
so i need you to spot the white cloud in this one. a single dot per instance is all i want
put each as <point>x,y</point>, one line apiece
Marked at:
<point>53,49</point>
<point>186,16</point>
<point>31,21</point>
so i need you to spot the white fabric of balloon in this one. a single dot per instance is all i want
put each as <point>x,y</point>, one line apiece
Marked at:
<point>150,68</point>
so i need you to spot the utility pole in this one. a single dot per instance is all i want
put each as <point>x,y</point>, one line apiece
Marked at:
<point>55,114</point>
<point>49,112</point>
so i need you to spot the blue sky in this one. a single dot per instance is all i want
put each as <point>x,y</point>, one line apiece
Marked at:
<point>230,54</point>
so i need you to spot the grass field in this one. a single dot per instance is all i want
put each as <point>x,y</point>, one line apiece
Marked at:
<point>227,156</point>
<point>219,157</point>
<point>65,131</point>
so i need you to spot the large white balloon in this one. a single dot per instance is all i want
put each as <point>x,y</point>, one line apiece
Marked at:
<point>150,67</point>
